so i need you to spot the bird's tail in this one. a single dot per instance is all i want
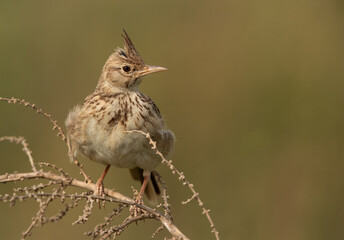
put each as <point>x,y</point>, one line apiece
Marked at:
<point>152,190</point>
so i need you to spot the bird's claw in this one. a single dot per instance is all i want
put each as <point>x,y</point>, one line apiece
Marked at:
<point>99,191</point>
<point>134,210</point>
<point>139,199</point>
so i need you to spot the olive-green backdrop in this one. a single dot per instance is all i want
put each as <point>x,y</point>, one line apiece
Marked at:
<point>254,94</point>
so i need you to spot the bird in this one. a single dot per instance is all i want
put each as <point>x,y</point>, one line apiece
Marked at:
<point>108,127</point>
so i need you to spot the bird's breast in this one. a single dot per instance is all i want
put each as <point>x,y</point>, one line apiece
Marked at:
<point>108,132</point>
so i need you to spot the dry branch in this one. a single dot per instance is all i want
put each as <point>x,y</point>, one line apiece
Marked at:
<point>38,111</point>
<point>181,177</point>
<point>111,196</point>
<point>22,141</point>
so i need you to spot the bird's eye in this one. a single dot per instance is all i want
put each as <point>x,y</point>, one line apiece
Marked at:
<point>126,69</point>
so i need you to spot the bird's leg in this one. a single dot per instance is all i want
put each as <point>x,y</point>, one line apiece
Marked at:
<point>146,178</point>
<point>135,211</point>
<point>99,184</point>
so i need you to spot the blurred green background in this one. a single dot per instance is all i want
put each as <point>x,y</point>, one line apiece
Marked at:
<point>254,94</point>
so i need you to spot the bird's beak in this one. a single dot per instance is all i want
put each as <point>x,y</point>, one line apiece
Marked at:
<point>148,69</point>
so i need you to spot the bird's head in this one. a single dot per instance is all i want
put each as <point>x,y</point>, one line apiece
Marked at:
<point>125,67</point>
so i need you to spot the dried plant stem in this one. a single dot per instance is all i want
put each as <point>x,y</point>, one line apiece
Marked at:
<point>82,171</point>
<point>125,224</point>
<point>38,111</point>
<point>182,178</point>
<point>39,214</point>
<point>22,141</point>
<point>14,177</point>
<point>112,196</point>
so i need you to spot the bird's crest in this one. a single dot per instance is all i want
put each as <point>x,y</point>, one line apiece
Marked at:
<point>129,53</point>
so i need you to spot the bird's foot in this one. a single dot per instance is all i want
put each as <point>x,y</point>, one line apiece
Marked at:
<point>139,199</point>
<point>134,210</point>
<point>99,189</point>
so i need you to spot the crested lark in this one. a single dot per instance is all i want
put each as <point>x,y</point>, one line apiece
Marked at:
<point>99,128</point>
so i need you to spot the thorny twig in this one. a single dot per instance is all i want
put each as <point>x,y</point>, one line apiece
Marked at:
<point>39,219</point>
<point>22,141</point>
<point>111,196</point>
<point>182,178</point>
<point>116,230</point>
<point>99,229</point>
<point>38,111</point>
<point>87,212</point>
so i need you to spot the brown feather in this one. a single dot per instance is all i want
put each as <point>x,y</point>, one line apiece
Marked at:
<point>130,50</point>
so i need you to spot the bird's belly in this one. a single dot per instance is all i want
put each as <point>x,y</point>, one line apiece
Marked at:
<point>120,148</point>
